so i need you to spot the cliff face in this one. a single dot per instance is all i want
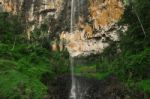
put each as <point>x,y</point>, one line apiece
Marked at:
<point>94,22</point>
<point>32,13</point>
<point>93,35</point>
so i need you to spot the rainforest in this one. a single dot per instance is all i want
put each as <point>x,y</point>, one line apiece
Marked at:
<point>74,49</point>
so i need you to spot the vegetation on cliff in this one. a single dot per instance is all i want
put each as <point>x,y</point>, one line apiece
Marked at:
<point>128,59</point>
<point>24,64</point>
<point>29,67</point>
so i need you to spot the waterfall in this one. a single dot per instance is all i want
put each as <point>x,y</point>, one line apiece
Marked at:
<point>76,12</point>
<point>72,15</point>
<point>73,84</point>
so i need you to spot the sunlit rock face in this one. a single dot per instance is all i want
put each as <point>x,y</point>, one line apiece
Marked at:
<point>12,6</point>
<point>98,31</point>
<point>95,22</point>
<point>33,13</point>
<point>32,7</point>
<point>105,13</point>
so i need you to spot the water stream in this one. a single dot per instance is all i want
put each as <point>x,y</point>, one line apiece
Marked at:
<point>73,84</point>
<point>72,15</point>
<point>76,12</point>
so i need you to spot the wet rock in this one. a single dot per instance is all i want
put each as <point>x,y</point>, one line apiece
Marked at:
<point>89,88</point>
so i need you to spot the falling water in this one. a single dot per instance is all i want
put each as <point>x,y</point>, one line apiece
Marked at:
<point>72,15</point>
<point>73,86</point>
<point>76,12</point>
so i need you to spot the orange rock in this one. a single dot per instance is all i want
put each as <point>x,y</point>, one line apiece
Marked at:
<point>88,31</point>
<point>104,12</point>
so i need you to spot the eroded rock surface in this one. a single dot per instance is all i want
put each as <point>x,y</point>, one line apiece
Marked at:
<point>95,22</point>
<point>33,13</point>
<point>93,35</point>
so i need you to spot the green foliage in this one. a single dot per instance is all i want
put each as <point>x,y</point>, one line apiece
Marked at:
<point>131,63</point>
<point>84,70</point>
<point>132,66</point>
<point>10,26</point>
<point>135,39</point>
<point>22,68</point>
<point>14,84</point>
<point>23,64</point>
<point>144,85</point>
<point>22,72</point>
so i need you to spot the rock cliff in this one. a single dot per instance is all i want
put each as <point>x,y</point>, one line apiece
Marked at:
<point>33,13</point>
<point>94,22</point>
<point>93,35</point>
